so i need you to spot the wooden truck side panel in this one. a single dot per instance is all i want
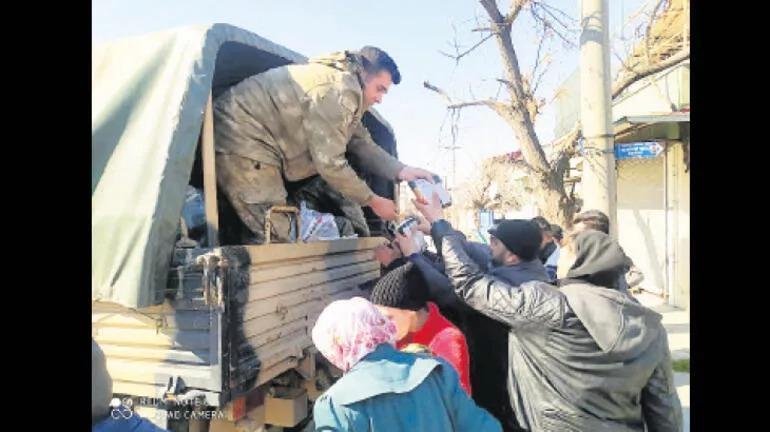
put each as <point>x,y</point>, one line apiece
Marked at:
<point>236,317</point>
<point>275,301</point>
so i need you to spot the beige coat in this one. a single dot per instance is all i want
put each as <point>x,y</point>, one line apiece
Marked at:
<point>303,119</point>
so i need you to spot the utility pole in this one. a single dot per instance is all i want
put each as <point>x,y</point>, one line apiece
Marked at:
<point>599,176</point>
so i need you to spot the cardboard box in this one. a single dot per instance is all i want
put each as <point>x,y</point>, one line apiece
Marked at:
<point>286,406</point>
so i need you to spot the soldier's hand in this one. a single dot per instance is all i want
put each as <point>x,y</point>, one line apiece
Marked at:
<point>383,207</point>
<point>411,173</point>
<point>432,210</point>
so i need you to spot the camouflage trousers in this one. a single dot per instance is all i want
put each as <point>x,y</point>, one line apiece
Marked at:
<point>253,187</point>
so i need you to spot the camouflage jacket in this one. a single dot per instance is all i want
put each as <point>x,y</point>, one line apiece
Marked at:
<point>304,118</point>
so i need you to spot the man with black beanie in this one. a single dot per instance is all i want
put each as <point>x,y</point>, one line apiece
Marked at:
<point>511,256</point>
<point>582,357</point>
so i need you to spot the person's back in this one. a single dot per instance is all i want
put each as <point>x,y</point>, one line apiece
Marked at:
<point>261,118</point>
<point>584,356</point>
<point>597,220</point>
<point>395,391</point>
<point>383,389</point>
<point>488,338</point>
<point>594,372</point>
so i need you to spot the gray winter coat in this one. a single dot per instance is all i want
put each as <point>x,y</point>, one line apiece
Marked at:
<point>582,358</point>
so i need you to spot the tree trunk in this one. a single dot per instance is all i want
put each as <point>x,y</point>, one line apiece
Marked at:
<point>552,199</point>
<point>555,205</point>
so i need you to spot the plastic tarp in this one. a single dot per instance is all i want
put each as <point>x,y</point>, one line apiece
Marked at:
<point>148,98</point>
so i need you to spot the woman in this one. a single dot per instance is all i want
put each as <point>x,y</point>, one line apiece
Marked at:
<point>383,389</point>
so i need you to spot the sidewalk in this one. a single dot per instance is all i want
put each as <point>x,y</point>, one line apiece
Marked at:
<point>677,323</point>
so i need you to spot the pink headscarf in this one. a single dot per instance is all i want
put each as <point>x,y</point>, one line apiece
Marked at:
<point>347,330</point>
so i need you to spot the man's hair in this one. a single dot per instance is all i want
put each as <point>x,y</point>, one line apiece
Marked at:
<point>543,224</point>
<point>557,232</point>
<point>593,219</point>
<point>376,60</point>
<point>402,288</point>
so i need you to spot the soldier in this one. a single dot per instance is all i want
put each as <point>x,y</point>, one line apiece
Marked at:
<point>297,121</point>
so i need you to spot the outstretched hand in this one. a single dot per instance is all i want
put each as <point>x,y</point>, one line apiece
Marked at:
<point>432,210</point>
<point>412,173</point>
<point>406,243</point>
<point>422,224</point>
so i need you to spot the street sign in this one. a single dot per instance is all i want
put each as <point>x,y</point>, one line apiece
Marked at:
<point>639,150</point>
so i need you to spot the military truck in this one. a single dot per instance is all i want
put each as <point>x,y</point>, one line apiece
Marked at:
<point>214,337</point>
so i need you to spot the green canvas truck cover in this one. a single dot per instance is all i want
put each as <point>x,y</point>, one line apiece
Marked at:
<point>148,97</point>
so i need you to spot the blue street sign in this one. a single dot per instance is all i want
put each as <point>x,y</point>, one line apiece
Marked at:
<point>486,220</point>
<point>639,150</point>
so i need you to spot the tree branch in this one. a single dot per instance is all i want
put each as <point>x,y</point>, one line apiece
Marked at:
<point>431,87</point>
<point>468,51</point>
<point>536,64</point>
<point>538,79</point>
<point>648,31</point>
<point>487,102</point>
<point>566,145</point>
<point>555,9</point>
<point>565,148</point>
<point>506,83</point>
<point>515,8</point>
<point>648,70</point>
<point>491,7</point>
<point>457,104</point>
<point>548,10</point>
<point>548,26</point>
<point>523,165</point>
<point>517,114</point>
<point>623,63</point>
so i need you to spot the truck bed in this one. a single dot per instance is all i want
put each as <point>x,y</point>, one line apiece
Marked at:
<point>235,317</point>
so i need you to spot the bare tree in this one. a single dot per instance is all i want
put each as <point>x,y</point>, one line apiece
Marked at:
<point>521,107</point>
<point>497,187</point>
<point>475,194</point>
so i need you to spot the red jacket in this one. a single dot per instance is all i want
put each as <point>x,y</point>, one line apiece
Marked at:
<point>444,340</point>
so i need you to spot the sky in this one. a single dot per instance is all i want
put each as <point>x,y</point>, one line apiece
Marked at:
<point>413,33</point>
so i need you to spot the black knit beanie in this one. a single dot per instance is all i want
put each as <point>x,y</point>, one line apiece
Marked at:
<point>521,237</point>
<point>401,288</point>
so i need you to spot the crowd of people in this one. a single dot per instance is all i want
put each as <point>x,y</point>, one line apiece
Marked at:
<point>504,337</point>
<point>536,331</point>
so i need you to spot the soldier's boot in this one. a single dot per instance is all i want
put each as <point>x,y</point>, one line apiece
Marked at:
<point>252,188</point>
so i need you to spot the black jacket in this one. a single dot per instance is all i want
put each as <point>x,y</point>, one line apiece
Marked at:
<point>582,357</point>
<point>487,339</point>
